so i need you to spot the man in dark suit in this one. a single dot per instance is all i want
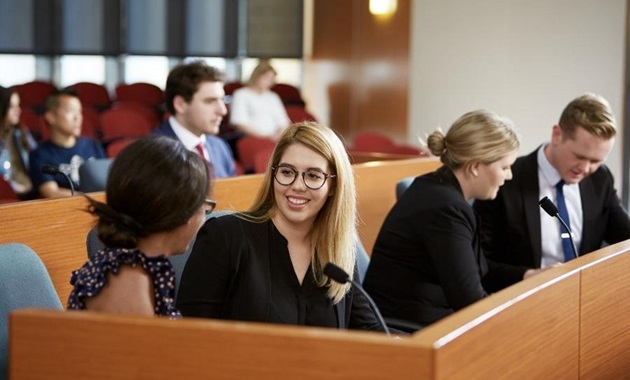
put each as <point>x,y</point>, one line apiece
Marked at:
<point>194,98</point>
<point>515,229</point>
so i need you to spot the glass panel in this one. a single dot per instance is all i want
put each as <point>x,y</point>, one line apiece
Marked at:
<point>81,68</point>
<point>16,69</point>
<point>149,69</point>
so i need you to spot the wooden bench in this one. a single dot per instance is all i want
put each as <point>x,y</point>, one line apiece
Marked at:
<point>57,229</point>
<point>568,322</point>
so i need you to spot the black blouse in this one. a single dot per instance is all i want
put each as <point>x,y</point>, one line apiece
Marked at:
<point>241,270</point>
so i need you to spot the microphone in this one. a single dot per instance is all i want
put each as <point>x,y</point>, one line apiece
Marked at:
<point>49,169</point>
<point>339,275</point>
<point>552,210</point>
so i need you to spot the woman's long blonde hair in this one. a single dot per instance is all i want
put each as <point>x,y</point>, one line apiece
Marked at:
<point>334,229</point>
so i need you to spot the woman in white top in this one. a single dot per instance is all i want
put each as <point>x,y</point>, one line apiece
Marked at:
<point>256,110</point>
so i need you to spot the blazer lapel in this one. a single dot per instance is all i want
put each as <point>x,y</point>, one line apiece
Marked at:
<point>589,212</point>
<point>530,193</point>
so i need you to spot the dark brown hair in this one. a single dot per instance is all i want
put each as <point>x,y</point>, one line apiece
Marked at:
<point>155,184</point>
<point>184,80</point>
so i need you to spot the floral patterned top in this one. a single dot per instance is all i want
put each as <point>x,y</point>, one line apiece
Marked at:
<point>92,277</point>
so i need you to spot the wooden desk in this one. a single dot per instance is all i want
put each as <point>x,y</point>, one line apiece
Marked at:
<point>568,322</point>
<point>57,229</point>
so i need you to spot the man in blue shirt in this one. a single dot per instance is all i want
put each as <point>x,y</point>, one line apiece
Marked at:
<point>194,98</point>
<point>65,150</point>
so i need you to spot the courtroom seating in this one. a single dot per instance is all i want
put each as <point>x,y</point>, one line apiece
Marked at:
<point>403,185</point>
<point>113,148</point>
<point>124,122</point>
<point>93,174</point>
<point>146,94</point>
<point>298,113</point>
<point>91,126</point>
<point>289,94</point>
<point>405,149</point>
<point>24,283</point>
<point>7,195</point>
<point>33,94</point>
<point>92,95</point>
<point>372,142</point>
<point>230,87</point>
<point>248,147</point>
<point>262,159</point>
<point>34,122</point>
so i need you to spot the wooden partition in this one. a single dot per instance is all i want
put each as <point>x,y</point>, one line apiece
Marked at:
<point>568,322</point>
<point>57,229</point>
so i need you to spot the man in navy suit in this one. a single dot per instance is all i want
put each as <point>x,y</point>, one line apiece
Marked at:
<point>194,98</point>
<point>518,234</point>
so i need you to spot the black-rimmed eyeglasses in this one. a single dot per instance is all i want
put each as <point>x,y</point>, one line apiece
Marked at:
<point>209,206</point>
<point>313,179</point>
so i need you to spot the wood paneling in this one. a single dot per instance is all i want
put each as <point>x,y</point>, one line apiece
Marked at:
<point>605,315</point>
<point>361,64</point>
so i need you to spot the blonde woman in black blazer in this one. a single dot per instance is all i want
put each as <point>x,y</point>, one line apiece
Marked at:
<point>427,260</point>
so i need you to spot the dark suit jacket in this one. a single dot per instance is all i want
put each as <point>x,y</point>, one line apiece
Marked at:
<point>227,276</point>
<point>427,260</point>
<point>219,151</point>
<point>511,223</point>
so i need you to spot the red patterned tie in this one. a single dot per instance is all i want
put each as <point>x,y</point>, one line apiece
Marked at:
<point>202,152</point>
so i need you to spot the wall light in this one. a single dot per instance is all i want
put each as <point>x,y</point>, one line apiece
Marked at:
<point>383,7</point>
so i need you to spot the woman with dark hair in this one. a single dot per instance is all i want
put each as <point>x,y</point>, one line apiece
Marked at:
<point>15,144</point>
<point>156,201</point>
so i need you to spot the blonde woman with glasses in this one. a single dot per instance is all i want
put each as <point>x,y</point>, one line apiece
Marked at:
<point>266,264</point>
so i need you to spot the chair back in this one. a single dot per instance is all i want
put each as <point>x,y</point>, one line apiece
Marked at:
<point>93,95</point>
<point>33,94</point>
<point>373,142</point>
<point>402,186</point>
<point>7,195</point>
<point>289,94</point>
<point>118,123</point>
<point>24,282</point>
<point>144,93</point>
<point>248,147</point>
<point>93,174</point>
<point>298,114</point>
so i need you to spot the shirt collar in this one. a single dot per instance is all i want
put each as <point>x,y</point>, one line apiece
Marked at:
<point>187,138</point>
<point>549,173</point>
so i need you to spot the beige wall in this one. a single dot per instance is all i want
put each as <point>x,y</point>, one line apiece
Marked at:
<point>525,59</point>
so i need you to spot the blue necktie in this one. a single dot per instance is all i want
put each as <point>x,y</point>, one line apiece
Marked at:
<point>564,214</point>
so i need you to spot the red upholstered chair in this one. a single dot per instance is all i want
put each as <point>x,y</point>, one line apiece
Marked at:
<point>92,95</point>
<point>144,93</point>
<point>7,195</point>
<point>112,149</point>
<point>118,123</point>
<point>248,147</point>
<point>262,159</point>
<point>405,149</point>
<point>33,94</point>
<point>299,113</point>
<point>372,142</point>
<point>230,87</point>
<point>34,123</point>
<point>289,94</point>
<point>91,126</point>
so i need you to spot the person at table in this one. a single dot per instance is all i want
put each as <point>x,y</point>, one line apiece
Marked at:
<point>156,201</point>
<point>427,261</point>
<point>266,264</point>
<point>569,168</point>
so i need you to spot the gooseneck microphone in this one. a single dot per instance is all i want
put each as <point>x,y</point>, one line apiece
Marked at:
<point>552,210</point>
<point>49,169</point>
<point>339,275</point>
